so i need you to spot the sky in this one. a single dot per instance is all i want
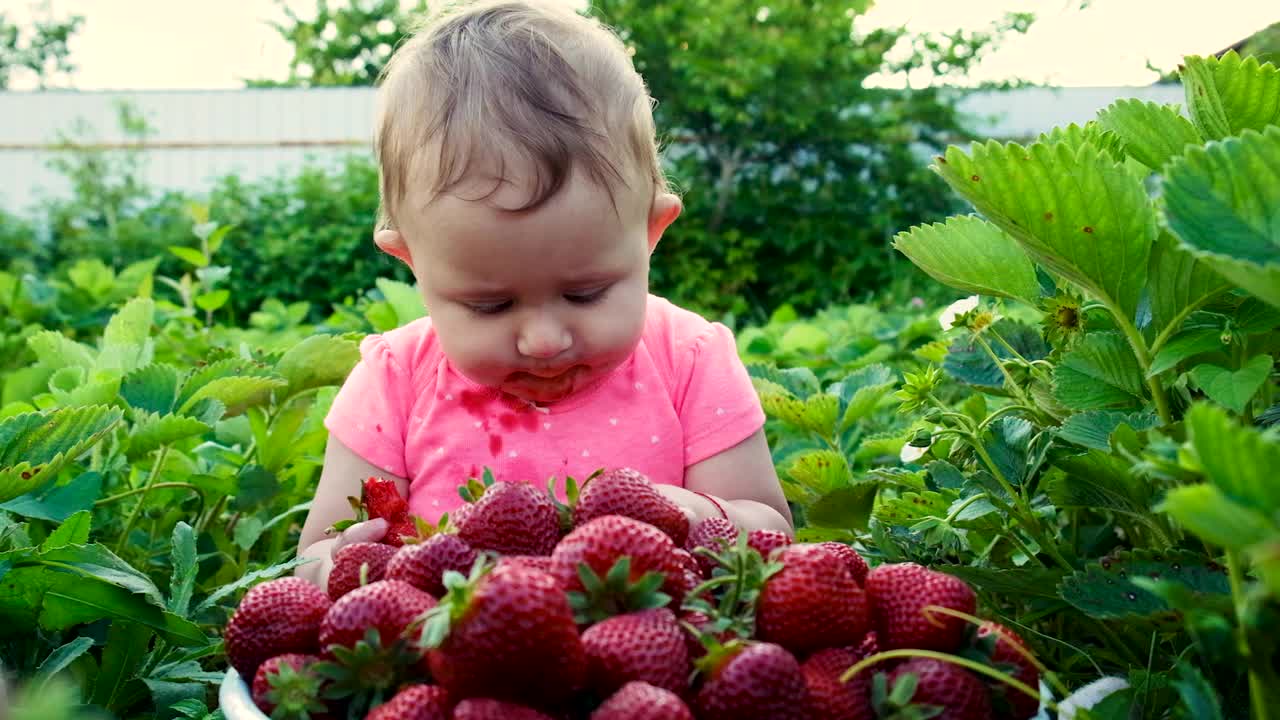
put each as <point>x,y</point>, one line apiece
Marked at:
<point>179,44</point>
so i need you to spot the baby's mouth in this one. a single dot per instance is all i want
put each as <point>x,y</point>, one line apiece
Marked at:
<point>543,387</point>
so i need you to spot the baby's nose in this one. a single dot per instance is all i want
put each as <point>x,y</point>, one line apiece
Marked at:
<point>543,340</point>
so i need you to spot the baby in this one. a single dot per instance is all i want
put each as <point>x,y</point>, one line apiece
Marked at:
<point>521,184</point>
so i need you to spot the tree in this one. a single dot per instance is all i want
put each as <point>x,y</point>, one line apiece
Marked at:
<point>796,173</point>
<point>41,50</point>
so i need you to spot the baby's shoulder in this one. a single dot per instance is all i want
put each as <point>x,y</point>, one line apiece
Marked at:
<point>413,348</point>
<point>670,326</point>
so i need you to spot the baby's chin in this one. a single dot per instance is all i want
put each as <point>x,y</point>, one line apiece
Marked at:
<point>545,391</point>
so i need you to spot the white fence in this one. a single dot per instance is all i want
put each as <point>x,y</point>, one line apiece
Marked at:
<point>200,135</point>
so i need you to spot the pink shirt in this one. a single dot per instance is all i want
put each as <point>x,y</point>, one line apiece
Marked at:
<point>682,397</point>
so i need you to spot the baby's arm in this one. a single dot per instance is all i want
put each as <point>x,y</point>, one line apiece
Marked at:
<point>743,481</point>
<point>342,477</point>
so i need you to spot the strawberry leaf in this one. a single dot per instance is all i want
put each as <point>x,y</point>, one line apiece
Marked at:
<point>1228,95</point>
<point>1153,134</point>
<point>971,255</point>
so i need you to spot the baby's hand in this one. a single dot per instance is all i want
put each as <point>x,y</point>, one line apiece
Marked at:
<point>325,550</point>
<point>695,506</point>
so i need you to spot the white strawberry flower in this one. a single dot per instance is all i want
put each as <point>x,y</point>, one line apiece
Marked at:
<point>955,310</point>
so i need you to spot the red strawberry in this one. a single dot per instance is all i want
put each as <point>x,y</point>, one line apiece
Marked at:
<point>711,533</point>
<point>603,541</point>
<point>415,702</point>
<point>766,541</point>
<point>648,645</point>
<point>629,493</point>
<point>760,681</point>
<point>382,499</point>
<point>1020,706</point>
<point>899,594</point>
<point>274,618</point>
<point>388,606</point>
<point>287,681</point>
<point>812,603</point>
<point>423,564</point>
<point>961,695</point>
<point>689,562</point>
<point>857,566</point>
<point>347,562</point>
<point>642,701</point>
<point>831,699</point>
<point>486,709</point>
<point>401,530</point>
<point>509,632</point>
<point>512,519</point>
<point>535,562</point>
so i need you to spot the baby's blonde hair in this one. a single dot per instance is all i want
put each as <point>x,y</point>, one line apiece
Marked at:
<point>482,83</point>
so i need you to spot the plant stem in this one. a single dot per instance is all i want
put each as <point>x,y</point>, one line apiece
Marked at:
<point>1257,691</point>
<point>135,491</point>
<point>1139,347</point>
<point>966,663</point>
<point>1008,379</point>
<point>1176,323</point>
<point>133,514</point>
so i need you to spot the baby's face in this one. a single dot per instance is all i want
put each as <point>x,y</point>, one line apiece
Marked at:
<point>539,303</point>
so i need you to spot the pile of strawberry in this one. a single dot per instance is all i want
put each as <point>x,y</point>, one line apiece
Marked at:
<point>609,608</point>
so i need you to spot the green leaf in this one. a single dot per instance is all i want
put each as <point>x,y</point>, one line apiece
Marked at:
<point>819,470</point>
<point>1100,373</point>
<point>404,299</point>
<point>1179,281</point>
<point>126,648</point>
<point>72,389</point>
<point>1014,582</point>
<point>60,660</point>
<point>74,531</point>
<point>1102,590</point>
<point>1184,345</point>
<point>57,503</point>
<point>1093,429</point>
<point>191,256</point>
<point>248,581</point>
<point>968,362</point>
<point>971,255</point>
<point>1008,442</point>
<point>152,431</point>
<point>183,559</point>
<point>212,300</point>
<point>1227,95</point>
<point>214,242</point>
<point>1233,389</point>
<point>1076,212</point>
<point>226,368</point>
<point>35,446</point>
<point>131,325</point>
<point>317,361</point>
<point>860,393</point>
<point>909,507</point>
<point>1240,461</point>
<point>247,532</point>
<point>798,381</point>
<point>817,413</point>
<point>846,508</point>
<point>236,393</point>
<point>56,350</point>
<point>152,388</point>
<point>1091,133</point>
<point>1211,515</point>
<point>1199,698</point>
<point>1223,203</point>
<point>1151,133</point>
<point>1100,481</point>
<point>804,338</point>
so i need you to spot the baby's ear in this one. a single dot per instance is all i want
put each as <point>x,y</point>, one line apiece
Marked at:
<point>393,243</point>
<point>664,211</point>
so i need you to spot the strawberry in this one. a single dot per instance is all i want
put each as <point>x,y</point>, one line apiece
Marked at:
<point>387,606</point>
<point>535,562</point>
<point>382,499</point>
<point>759,681</point>
<point>507,632</point>
<point>647,645</point>
<point>629,493</point>
<point>424,564</point>
<point>274,618</point>
<point>714,534</point>
<point>348,561</point>
<point>400,531</point>
<point>960,694</point>
<point>899,594</point>
<point>415,702</point>
<point>289,683</point>
<point>812,603</point>
<point>857,566</point>
<point>512,519</point>
<point>487,709</point>
<point>766,541</point>
<point>642,701</point>
<point>998,643</point>
<point>689,562</point>
<point>831,699</point>
<point>604,541</point>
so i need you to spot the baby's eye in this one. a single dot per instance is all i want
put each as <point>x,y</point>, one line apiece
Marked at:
<point>586,298</point>
<point>489,308</point>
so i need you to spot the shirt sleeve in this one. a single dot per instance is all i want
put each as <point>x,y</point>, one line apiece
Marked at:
<point>717,404</point>
<point>369,413</point>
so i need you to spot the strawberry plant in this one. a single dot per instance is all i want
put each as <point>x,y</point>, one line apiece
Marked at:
<point>1091,448</point>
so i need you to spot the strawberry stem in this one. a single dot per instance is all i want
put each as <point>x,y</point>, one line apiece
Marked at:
<point>930,610</point>
<point>965,663</point>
